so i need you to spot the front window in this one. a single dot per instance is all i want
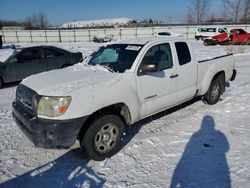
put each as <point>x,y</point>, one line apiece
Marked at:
<point>241,31</point>
<point>160,54</point>
<point>221,30</point>
<point>117,57</point>
<point>31,54</point>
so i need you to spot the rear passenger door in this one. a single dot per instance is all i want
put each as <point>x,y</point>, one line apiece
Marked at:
<point>157,89</point>
<point>55,59</point>
<point>187,72</point>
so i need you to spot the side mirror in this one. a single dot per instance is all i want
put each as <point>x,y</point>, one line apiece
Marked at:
<point>149,68</point>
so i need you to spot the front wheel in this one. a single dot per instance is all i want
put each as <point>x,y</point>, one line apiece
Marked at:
<point>214,92</point>
<point>102,139</point>
<point>205,42</point>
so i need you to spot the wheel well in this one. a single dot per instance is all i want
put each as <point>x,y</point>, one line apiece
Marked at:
<point>223,77</point>
<point>119,109</point>
<point>65,65</point>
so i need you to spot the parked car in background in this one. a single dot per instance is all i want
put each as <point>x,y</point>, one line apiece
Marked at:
<point>102,38</point>
<point>204,32</point>
<point>169,33</point>
<point>235,36</point>
<point>32,60</point>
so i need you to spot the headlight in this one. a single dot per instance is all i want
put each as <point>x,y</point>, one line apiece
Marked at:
<point>53,106</point>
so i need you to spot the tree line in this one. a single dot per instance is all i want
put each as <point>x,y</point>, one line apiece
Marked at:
<point>234,11</point>
<point>35,21</point>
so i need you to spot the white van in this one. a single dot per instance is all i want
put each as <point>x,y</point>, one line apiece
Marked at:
<point>204,32</point>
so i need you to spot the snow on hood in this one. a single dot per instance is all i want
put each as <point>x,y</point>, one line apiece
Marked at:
<point>62,82</point>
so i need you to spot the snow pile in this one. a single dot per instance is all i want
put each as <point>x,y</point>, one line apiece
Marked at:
<point>96,23</point>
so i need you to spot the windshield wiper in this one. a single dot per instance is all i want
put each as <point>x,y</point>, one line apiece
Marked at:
<point>107,67</point>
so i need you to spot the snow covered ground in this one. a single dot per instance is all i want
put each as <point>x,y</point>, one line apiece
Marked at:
<point>192,145</point>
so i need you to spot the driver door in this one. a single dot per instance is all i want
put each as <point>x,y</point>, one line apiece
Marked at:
<point>157,89</point>
<point>26,63</point>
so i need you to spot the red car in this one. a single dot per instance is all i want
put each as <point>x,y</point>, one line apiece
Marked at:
<point>236,36</point>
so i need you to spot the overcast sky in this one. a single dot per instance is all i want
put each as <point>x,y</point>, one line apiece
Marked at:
<point>61,11</point>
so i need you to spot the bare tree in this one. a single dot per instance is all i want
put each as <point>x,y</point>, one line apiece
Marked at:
<point>36,21</point>
<point>211,19</point>
<point>199,9</point>
<point>233,6</point>
<point>42,21</point>
<point>28,23</point>
<point>246,11</point>
<point>190,18</point>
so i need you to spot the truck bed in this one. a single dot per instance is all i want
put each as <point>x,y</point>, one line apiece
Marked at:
<point>217,57</point>
<point>204,53</point>
<point>208,68</point>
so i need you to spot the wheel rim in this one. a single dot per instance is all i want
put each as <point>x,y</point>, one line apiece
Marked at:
<point>215,91</point>
<point>106,138</point>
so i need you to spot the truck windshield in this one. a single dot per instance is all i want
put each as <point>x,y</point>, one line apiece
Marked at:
<point>117,57</point>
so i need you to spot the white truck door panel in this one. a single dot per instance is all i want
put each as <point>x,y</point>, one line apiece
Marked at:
<point>157,90</point>
<point>187,72</point>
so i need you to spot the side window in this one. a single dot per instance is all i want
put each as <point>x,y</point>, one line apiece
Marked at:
<point>240,32</point>
<point>221,30</point>
<point>183,53</point>
<point>31,54</point>
<point>160,54</point>
<point>49,53</point>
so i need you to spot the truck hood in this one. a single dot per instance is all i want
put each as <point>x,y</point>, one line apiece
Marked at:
<point>64,81</point>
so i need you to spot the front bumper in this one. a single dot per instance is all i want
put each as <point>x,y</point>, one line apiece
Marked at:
<point>47,133</point>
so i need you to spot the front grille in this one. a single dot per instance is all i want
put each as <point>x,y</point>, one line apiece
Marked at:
<point>24,97</point>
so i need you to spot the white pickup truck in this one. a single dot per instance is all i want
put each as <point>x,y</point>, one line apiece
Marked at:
<point>122,83</point>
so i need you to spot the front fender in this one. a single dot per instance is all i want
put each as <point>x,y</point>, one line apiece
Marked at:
<point>91,98</point>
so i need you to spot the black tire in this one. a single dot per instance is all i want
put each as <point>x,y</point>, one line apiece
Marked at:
<point>103,137</point>
<point>206,42</point>
<point>1,82</point>
<point>215,90</point>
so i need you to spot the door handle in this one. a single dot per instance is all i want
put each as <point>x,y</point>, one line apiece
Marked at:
<point>174,76</point>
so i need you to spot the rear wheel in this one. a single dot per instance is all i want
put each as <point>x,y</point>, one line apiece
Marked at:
<point>1,82</point>
<point>214,92</point>
<point>206,42</point>
<point>102,139</point>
